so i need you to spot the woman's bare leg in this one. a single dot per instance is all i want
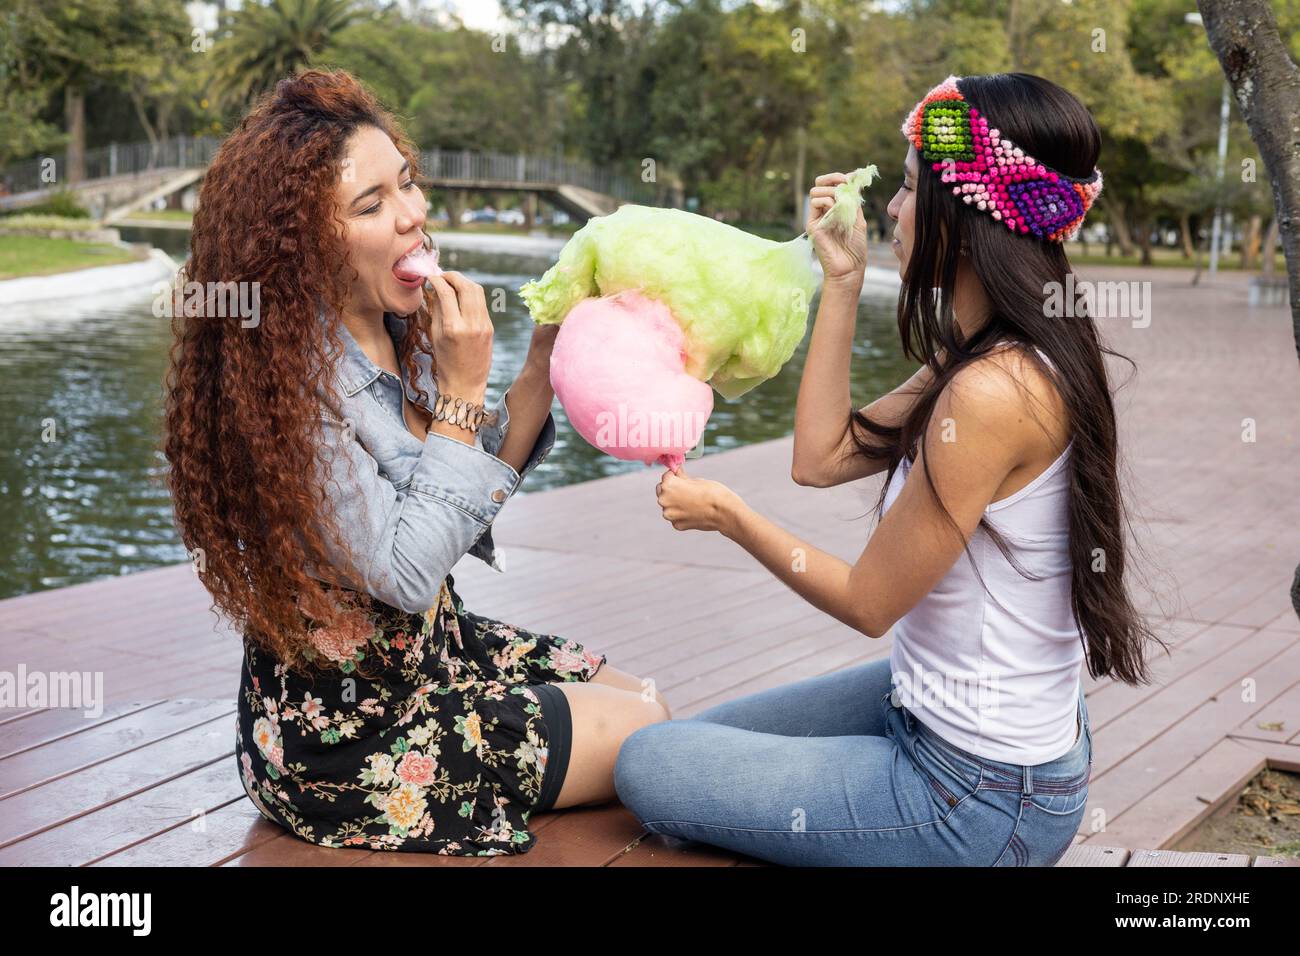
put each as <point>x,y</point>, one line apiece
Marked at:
<point>625,681</point>
<point>605,713</point>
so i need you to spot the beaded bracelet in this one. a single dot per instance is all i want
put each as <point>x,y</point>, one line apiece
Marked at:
<point>463,414</point>
<point>991,173</point>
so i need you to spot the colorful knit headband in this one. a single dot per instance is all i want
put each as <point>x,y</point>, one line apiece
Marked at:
<point>994,174</point>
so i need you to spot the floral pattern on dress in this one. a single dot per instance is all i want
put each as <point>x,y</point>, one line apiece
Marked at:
<point>442,749</point>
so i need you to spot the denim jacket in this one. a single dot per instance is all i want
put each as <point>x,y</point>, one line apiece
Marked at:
<point>416,507</point>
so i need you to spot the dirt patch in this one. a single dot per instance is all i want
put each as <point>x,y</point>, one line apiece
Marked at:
<point>1264,820</point>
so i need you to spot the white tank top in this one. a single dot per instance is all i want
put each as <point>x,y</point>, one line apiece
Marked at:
<point>998,673</point>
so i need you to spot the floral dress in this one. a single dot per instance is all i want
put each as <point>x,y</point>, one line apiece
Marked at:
<point>442,749</point>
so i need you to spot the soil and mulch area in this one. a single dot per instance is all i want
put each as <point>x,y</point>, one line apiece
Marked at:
<point>1264,820</point>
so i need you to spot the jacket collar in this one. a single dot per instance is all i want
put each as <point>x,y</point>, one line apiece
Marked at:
<point>354,370</point>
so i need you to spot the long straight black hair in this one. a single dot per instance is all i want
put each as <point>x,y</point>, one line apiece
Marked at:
<point>1016,271</point>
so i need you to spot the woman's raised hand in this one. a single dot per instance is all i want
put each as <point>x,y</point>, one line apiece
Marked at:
<point>843,257</point>
<point>461,332</point>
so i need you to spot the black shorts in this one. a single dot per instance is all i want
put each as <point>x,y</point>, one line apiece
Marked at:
<point>559,724</point>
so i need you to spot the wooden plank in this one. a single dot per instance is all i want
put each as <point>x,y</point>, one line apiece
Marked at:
<point>655,849</point>
<point>719,669</point>
<point>10,714</point>
<point>223,685</point>
<point>88,596</point>
<point>1156,741</point>
<point>679,651</point>
<point>1237,586</point>
<point>1108,700</point>
<point>224,832</point>
<point>57,722</point>
<point>824,659</point>
<point>1171,810</point>
<point>1278,720</point>
<point>290,850</point>
<point>170,679</point>
<point>1279,756</point>
<point>108,739</point>
<point>1286,621</point>
<point>582,836</point>
<point>127,675</point>
<point>1090,855</point>
<point>611,612</point>
<point>153,595</point>
<point>1150,858</point>
<point>130,821</point>
<point>538,824</point>
<point>1271,608</point>
<point>682,620</point>
<point>116,778</point>
<point>584,578</point>
<point>1275,861</point>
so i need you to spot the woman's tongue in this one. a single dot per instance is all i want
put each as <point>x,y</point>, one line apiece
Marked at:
<point>419,264</point>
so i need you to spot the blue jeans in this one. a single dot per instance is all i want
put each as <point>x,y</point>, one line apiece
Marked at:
<point>829,771</point>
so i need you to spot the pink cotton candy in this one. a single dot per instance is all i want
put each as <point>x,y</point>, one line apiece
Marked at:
<point>421,262</point>
<point>618,368</point>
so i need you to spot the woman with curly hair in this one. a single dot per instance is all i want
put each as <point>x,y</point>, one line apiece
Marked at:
<point>330,462</point>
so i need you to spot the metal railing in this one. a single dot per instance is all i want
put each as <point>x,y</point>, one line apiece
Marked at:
<point>115,159</point>
<point>443,166</point>
<point>532,171</point>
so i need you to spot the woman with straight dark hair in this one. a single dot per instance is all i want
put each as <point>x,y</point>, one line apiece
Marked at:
<point>998,565</point>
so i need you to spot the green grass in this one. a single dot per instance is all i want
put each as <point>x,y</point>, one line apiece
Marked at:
<point>28,222</point>
<point>37,256</point>
<point>1160,257</point>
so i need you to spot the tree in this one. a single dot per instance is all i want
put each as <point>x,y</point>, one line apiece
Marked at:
<point>597,56</point>
<point>24,91</point>
<point>155,73</point>
<point>456,89</point>
<point>1266,82</point>
<point>263,43</point>
<point>76,43</point>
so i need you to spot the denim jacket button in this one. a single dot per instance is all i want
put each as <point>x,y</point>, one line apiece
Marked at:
<point>498,496</point>
<point>895,699</point>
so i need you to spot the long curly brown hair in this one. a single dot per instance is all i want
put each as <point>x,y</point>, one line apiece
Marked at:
<point>242,400</point>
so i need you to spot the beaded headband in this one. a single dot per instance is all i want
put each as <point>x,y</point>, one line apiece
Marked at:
<point>992,173</point>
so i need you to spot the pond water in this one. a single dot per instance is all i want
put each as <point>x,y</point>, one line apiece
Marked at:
<point>81,483</point>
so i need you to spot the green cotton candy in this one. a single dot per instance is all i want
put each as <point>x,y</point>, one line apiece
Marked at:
<point>741,300</point>
<point>848,197</point>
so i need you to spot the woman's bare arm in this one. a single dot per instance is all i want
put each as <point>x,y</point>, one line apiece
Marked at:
<point>821,421</point>
<point>529,403</point>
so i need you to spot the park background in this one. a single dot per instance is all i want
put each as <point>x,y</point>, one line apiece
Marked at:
<point>728,109</point>
<point>531,115</point>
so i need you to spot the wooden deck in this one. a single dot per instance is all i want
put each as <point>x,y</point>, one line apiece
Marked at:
<point>153,781</point>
